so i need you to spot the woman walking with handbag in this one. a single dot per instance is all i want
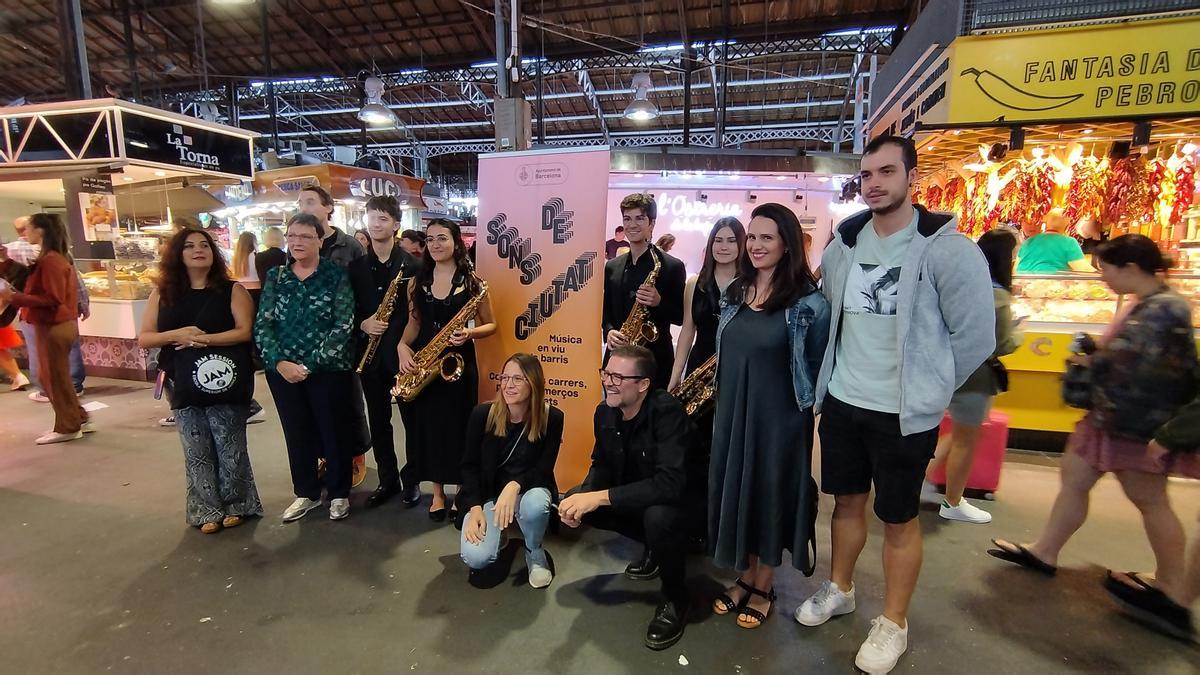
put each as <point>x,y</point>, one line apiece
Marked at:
<point>201,321</point>
<point>1141,375</point>
<point>50,304</point>
<point>971,403</point>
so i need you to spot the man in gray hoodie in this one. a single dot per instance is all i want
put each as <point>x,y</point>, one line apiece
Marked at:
<point>912,318</point>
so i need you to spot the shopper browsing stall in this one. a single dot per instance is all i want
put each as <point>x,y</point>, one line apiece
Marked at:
<point>1052,250</point>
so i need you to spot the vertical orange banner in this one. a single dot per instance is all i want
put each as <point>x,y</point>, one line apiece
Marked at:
<point>540,246</point>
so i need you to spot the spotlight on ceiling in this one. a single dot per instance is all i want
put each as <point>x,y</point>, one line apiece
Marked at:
<point>374,112</point>
<point>641,109</point>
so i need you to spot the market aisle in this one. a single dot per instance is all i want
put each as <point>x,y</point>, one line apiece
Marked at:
<point>99,572</point>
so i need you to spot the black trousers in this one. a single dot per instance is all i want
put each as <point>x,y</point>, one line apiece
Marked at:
<point>316,416</point>
<point>377,386</point>
<point>664,530</point>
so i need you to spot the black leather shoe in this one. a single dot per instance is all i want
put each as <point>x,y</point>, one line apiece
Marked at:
<point>666,627</point>
<point>381,495</point>
<point>438,516</point>
<point>411,496</point>
<point>644,569</point>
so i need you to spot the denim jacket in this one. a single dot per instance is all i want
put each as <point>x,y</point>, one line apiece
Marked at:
<point>808,329</point>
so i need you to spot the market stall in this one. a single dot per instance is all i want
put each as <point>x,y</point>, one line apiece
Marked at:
<point>115,169</point>
<point>1100,121</point>
<point>272,197</point>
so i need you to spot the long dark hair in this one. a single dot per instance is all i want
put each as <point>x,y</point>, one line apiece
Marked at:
<point>173,280</point>
<point>461,260</point>
<point>998,245</point>
<point>709,267</point>
<point>54,233</point>
<point>792,278</point>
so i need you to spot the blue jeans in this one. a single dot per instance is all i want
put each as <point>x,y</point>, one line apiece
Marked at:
<point>77,371</point>
<point>533,514</point>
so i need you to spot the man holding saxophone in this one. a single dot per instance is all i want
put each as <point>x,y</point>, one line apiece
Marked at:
<point>643,290</point>
<point>380,281</point>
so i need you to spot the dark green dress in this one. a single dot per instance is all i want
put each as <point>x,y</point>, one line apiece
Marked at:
<point>760,476</point>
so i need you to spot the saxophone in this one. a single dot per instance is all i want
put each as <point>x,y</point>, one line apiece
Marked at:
<point>431,362</point>
<point>383,313</point>
<point>697,389</point>
<point>638,329</point>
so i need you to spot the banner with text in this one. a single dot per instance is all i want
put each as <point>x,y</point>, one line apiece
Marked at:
<point>540,246</point>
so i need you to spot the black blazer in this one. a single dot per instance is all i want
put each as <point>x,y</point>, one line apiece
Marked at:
<point>671,279</point>
<point>661,438</point>
<point>482,457</point>
<point>367,298</point>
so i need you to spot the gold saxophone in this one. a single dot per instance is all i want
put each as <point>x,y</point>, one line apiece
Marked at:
<point>384,314</point>
<point>430,360</point>
<point>638,329</point>
<point>697,389</point>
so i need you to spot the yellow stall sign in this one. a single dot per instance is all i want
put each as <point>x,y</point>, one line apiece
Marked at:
<point>1144,68</point>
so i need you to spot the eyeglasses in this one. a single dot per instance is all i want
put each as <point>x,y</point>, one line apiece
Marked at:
<point>617,378</point>
<point>515,379</point>
<point>301,237</point>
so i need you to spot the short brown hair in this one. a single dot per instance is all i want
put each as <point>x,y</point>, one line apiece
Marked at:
<point>643,201</point>
<point>321,194</point>
<point>643,359</point>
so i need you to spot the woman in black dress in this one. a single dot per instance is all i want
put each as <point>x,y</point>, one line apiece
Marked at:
<point>436,420</point>
<point>770,342</point>
<point>702,297</point>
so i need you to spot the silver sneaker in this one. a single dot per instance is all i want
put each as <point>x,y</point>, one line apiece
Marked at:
<point>299,508</point>
<point>339,508</point>
<point>829,601</point>
<point>540,575</point>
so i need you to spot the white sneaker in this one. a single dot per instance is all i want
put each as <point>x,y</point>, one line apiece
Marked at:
<point>339,508</point>
<point>885,644</point>
<point>930,494</point>
<point>88,427</point>
<point>20,382</point>
<point>965,511</point>
<point>39,396</point>
<point>260,416</point>
<point>829,601</point>
<point>301,506</point>
<point>55,437</point>
<point>168,421</point>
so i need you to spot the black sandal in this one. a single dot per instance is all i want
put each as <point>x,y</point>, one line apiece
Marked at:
<point>724,604</point>
<point>1139,583</point>
<point>1018,554</point>
<point>759,617</point>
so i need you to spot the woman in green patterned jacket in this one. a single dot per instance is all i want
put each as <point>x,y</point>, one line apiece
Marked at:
<point>305,319</point>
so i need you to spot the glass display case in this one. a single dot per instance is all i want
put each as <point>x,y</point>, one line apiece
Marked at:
<point>118,279</point>
<point>1082,299</point>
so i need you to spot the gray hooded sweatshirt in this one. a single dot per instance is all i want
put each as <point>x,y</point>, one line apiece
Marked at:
<point>945,318</point>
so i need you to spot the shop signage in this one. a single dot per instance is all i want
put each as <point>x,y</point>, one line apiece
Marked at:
<point>190,147</point>
<point>1142,68</point>
<point>377,186</point>
<point>541,234</point>
<point>98,207</point>
<point>924,100</point>
<point>290,186</point>
<point>685,213</point>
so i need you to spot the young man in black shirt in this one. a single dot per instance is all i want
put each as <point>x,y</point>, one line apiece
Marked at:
<point>623,278</point>
<point>371,276</point>
<point>638,484</point>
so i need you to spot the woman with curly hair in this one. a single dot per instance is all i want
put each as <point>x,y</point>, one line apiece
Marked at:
<point>195,309</point>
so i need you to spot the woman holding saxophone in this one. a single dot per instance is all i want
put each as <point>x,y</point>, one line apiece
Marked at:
<point>444,291</point>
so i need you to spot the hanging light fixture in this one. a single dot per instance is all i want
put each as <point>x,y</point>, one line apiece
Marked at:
<point>641,108</point>
<point>374,112</point>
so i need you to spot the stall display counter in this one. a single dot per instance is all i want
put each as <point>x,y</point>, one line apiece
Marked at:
<point>108,337</point>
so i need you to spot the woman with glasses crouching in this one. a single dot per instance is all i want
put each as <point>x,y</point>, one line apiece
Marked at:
<point>508,469</point>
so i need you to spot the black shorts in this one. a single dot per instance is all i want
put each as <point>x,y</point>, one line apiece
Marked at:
<point>861,446</point>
